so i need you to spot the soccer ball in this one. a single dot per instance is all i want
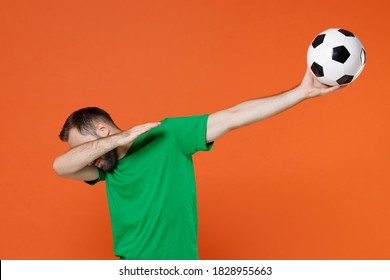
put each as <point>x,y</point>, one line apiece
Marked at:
<point>336,56</point>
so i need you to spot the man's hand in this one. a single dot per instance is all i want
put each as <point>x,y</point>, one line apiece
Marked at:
<point>129,136</point>
<point>311,87</point>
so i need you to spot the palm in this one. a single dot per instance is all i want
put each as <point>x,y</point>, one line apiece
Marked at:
<point>129,136</point>
<point>314,88</point>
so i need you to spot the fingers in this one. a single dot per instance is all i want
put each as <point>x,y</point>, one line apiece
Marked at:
<point>141,129</point>
<point>333,89</point>
<point>129,136</point>
<point>146,126</point>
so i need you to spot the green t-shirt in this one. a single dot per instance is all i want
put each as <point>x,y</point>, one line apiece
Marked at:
<point>152,193</point>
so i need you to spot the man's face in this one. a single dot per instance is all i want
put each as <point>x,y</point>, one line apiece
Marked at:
<point>106,162</point>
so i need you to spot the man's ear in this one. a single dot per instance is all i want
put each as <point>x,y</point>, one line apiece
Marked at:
<point>102,129</point>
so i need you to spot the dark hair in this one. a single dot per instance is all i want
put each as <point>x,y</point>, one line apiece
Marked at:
<point>84,120</point>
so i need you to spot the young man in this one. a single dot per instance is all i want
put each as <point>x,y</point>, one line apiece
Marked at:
<point>149,172</point>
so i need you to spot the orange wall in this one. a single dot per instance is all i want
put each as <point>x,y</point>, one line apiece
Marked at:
<point>311,183</point>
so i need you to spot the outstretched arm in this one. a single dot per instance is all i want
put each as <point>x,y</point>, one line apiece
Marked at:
<point>255,110</point>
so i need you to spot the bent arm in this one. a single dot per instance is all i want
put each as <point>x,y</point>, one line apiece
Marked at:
<point>75,163</point>
<point>255,110</point>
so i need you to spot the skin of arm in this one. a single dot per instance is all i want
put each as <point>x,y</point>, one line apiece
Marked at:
<point>251,111</point>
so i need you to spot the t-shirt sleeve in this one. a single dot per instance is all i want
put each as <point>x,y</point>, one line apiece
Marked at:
<point>190,133</point>
<point>102,177</point>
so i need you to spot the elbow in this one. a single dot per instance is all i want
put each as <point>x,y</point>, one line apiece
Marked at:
<point>58,168</point>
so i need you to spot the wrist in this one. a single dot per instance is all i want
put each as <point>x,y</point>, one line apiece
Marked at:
<point>119,139</point>
<point>301,93</point>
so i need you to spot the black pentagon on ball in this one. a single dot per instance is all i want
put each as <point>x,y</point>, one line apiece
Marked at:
<point>318,40</point>
<point>345,79</point>
<point>317,69</point>
<point>340,54</point>
<point>346,33</point>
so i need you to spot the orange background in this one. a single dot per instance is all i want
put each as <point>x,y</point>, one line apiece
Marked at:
<point>311,183</point>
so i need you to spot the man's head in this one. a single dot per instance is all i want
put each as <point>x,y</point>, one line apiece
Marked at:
<point>89,124</point>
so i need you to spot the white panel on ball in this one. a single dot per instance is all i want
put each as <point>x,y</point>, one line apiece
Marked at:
<point>352,65</point>
<point>320,53</point>
<point>353,45</point>
<point>333,71</point>
<point>334,38</point>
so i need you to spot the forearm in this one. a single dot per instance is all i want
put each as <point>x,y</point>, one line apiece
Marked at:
<point>80,156</point>
<point>255,110</point>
